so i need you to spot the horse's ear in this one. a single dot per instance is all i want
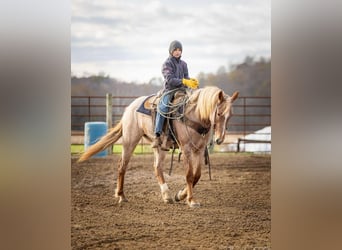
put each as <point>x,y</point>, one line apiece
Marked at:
<point>234,96</point>
<point>221,96</point>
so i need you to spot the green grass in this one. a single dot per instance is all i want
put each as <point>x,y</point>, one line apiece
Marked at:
<point>117,149</point>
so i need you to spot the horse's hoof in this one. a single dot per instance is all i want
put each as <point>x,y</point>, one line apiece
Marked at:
<point>194,204</point>
<point>122,199</point>
<point>167,198</point>
<point>176,198</point>
<point>168,201</point>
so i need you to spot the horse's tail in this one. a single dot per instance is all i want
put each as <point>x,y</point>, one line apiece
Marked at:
<point>107,140</point>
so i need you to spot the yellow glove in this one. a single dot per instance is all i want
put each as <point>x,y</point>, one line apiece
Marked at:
<point>191,83</point>
<point>194,79</point>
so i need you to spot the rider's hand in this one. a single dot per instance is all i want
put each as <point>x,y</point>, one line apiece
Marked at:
<point>191,83</point>
<point>194,79</point>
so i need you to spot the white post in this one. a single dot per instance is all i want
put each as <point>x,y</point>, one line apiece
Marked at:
<point>109,116</point>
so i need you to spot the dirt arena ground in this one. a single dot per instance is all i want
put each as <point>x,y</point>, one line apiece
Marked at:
<point>235,210</point>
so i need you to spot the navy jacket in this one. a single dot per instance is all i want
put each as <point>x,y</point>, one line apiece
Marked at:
<point>174,70</point>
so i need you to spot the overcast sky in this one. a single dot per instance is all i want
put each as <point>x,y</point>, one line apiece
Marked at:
<point>129,39</point>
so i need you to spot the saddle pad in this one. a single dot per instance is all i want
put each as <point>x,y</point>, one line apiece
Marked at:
<point>142,108</point>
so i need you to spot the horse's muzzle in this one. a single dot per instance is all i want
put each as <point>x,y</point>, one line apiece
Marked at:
<point>218,141</point>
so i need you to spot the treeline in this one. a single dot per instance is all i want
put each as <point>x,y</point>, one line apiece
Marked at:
<point>251,78</point>
<point>100,85</point>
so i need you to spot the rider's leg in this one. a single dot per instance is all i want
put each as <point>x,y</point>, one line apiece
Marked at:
<point>163,107</point>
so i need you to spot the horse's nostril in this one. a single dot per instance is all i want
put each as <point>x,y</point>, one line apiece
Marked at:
<point>218,141</point>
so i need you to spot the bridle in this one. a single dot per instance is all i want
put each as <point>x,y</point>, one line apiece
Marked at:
<point>199,128</point>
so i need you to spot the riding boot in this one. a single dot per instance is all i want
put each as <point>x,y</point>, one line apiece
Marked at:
<point>156,142</point>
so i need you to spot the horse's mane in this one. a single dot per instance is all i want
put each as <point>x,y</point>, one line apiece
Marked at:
<point>206,100</point>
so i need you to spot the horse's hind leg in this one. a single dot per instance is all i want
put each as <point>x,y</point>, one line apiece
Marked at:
<point>123,163</point>
<point>119,193</point>
<point>159,157</point>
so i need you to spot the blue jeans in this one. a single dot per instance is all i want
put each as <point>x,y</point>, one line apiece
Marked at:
<point>159,118</point>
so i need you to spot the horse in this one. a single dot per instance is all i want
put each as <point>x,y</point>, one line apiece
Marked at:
<point>206,109</point>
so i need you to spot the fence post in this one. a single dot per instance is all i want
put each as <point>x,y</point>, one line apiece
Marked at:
<point>89,113</point>
<point>244,116</point>
<point>109,116</point>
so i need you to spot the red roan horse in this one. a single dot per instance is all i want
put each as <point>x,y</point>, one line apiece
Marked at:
<point>208,107</point>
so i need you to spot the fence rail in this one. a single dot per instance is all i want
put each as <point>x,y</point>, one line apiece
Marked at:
<point>250,113</point>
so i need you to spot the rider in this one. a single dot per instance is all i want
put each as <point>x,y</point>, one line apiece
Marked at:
<point>176,76</point>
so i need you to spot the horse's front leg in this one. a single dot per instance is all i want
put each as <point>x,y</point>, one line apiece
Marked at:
<point>159,157</point>
<point>193,174</point>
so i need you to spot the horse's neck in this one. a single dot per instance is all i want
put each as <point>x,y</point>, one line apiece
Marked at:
<point>191,115</point>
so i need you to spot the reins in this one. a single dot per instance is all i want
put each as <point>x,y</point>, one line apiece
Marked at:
<point>173,108</point>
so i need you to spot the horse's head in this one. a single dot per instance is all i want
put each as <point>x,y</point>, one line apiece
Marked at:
<point>214,107</point>
<point>222,115</point>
